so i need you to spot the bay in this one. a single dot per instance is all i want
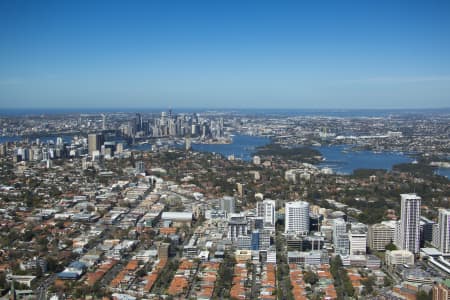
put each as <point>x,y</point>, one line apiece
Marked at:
<point>242,147</point>
<point>343,160</point>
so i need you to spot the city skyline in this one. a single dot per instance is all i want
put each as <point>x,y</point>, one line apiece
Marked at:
<point>287,55</point>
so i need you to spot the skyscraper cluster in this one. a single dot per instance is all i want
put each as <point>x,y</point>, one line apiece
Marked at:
<point>168,124</point>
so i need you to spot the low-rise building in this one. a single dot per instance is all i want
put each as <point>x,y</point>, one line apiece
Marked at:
<point>399,257</point>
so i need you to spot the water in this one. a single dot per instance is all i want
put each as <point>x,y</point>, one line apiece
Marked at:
<point>344,161</point>
<point>338,157</point>
<point>443,172</point>
<point>243,146</point>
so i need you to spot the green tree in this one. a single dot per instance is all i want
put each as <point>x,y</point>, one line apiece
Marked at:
<point>311,277</point>
<point>369,283</point>
<point>391,247</point>
<point>422,295</point>
<point>3,283</point>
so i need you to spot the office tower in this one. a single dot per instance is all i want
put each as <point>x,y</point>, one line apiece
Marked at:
<point>188,144</point>
<point>240,189</point>
<point>119,148</point>
<point>340,237</point>
<point>436,236</point>
<point>103,122</point>
<point>444,230</point>
<point>441,291</point>
<point>255,240</point>
<point>138,123</point>
<point>266,210</point>
<point>237,226</point>
<point>2,149</point>
<point>256,160</point>
<point>297,217</point>
<point>339,228</point>
<point>410,223</point>
<point>358,243</point>
<point>227,204</point>
<point>380,235</point>
<point>140,167</point>
<point>95,142</point>
<point>426,230</point>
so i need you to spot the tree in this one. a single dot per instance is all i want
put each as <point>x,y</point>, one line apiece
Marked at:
<point>3,283</point>
<point>141,273</point>
<point>391,247</point>
<point>387,281</point>
<point>52,265</point>
<point>368,284</point>
<point>422,295</point>
<point>311,277</point>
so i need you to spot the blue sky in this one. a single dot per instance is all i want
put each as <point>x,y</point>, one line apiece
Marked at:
<point>225,54</point>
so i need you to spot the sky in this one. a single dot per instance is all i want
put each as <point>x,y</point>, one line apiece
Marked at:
<point>224,54</point>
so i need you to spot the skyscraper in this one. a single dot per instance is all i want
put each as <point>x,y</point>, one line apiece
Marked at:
<point>297,217</point>
<point>358,242</point>
<point>227,204</point>
<point>380,235</point>
<point>266,210</point>
<point>444,230</point>
<point>340,237</point>
<point>95,142</point>
<point>409,235</point>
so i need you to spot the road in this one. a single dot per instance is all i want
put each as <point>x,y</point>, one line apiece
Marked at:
<point>43,288</point>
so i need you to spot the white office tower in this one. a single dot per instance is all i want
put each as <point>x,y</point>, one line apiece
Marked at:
<point>410,223</point>
<point>266,210</point>
<point>444,230</point>
<point>358,242</point>
<point>340,237</point>
<point>380,235</point>
<point>297,217</point>
<point>339,228</point>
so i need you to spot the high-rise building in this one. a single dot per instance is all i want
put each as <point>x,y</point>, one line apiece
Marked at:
<point>339,228</point>
<point>444,230</point>
<point>95,142</point>
<point>409,237</point>
<point>103,122</point>
<point>227,204</point>
<point>340,237</point>
<point>426,230</point>
<point>2,149</point>
<point>266,210</point>
<point>436,238</point>
<point>256,160</point>
<point>119,148</point>
<point>237,226</point>
<point>441,291</point>
<point>188,144</point>
<point>297,217</point>
<point>358,243</point>
<point>380,235</point>
<point>140,166</point>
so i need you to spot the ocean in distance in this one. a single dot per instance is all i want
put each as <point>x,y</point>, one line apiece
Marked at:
<point>243,111</point>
